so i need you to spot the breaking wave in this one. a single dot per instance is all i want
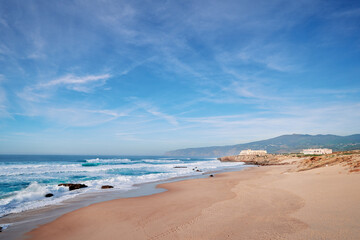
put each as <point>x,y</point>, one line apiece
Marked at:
<point>23,185</point>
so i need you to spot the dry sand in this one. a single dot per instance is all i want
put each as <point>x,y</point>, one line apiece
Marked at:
<point>257,203</point>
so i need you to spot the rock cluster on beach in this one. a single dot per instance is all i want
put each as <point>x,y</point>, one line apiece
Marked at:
<point>73,186</point>
<point>106,187</point>
<point>196,169</point>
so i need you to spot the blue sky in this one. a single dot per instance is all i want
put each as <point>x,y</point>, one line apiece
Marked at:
<point>145,77</point>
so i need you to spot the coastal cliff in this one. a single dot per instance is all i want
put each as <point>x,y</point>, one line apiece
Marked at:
<point>350,160</point>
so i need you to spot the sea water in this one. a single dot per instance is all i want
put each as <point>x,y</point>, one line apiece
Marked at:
<point>26,179</point>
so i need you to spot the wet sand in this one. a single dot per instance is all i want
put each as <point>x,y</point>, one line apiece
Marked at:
<point>256,203</point>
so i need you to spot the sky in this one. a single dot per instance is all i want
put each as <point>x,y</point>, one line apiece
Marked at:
<point>146,77</point>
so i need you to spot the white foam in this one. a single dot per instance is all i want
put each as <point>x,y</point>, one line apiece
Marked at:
<point>33,196</point>
<point>110,160</point>
<point>161,161</point>
<point>5,226</point>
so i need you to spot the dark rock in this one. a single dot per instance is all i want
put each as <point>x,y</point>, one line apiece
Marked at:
<point>77,186</point>
<point>73,186</point>
<point>1,228</point>
<point>65,184</point>
<point>211,175</point>
<point>180,167</point>
<point>49,195</point>
<point>106,187</point>
<point>198,170</point>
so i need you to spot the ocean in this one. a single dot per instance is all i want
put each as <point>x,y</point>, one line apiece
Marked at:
<point>26,179</point>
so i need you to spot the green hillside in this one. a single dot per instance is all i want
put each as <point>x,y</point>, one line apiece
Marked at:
<point>281,144</point>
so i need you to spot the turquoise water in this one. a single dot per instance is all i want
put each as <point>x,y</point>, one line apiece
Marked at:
<point>25,179</point>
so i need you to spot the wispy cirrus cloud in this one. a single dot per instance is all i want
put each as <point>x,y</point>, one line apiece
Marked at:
<point>272,56</point>
<point>347,13</point>
<point>75,116</point>
<point>171,119</point>
<point>283,120</point>
<point>76,83</point>
<point>43,90</point>
<point>42,100</point>
<point>153,110</point>
<point>3,100</point>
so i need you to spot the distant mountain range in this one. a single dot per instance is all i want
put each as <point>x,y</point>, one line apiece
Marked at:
<point>282,144</point>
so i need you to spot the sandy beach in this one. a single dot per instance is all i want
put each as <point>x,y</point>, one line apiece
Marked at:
<point>257,203</point>
<point>179,120</point>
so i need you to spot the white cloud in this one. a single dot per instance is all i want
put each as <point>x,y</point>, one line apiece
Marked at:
<point>252,126</point>
<point>270,58</point>
<point>3,22</point>
<point>149,108</point>
<point>171,119</point>
<point>336,119</point>
<point>3,104</point>
<point>45,90</point>
<point>347,13</point>
<point>74,82</point>
<point>3,100</point>
<point>74,116</point>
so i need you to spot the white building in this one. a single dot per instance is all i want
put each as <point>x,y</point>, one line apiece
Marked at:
<point>253,152</point>
<point>317,151</point>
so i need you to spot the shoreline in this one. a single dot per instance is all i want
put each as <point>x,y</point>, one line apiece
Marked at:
<point>23,222</point>
<point>257,203</point>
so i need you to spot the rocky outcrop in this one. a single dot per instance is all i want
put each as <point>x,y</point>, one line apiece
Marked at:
<point>73,186</point>
<point>106,187</point>
<point>261,160</point>
<point>349,159</point>
<point>49,195</point>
